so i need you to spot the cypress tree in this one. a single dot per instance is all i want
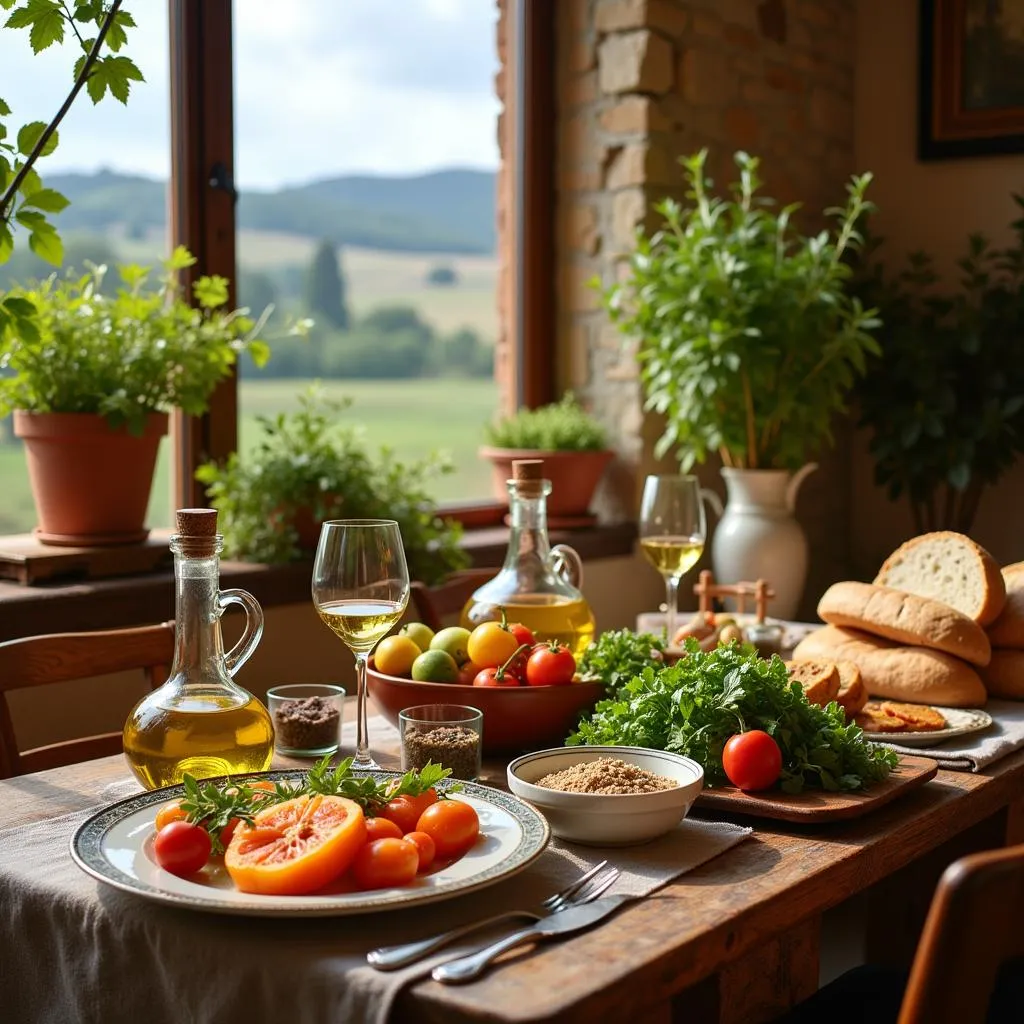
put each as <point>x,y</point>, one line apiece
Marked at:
<point>325,287</point>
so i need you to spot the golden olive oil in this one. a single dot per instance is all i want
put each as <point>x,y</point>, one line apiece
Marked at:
<point>548,616</point>
<point>204,736</point>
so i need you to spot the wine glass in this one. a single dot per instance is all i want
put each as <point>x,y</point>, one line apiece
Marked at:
<point>360,589</point>
<point>672,533</point>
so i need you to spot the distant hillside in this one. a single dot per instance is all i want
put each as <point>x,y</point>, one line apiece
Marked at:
<point>445,211</point>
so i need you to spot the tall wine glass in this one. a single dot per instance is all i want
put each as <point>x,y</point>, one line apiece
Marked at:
<point>672,533</point>
<point>360,589</point>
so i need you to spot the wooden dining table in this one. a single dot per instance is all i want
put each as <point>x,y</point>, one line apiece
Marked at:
<point>736,939</point>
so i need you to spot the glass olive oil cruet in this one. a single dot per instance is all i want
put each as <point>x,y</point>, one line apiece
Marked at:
<point>201,721</point>
<point>538,585</point>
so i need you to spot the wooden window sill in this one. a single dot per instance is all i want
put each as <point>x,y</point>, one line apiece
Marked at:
<point>135,600</point>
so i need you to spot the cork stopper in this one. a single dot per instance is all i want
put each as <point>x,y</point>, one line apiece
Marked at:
<point>197,531</point>
<point>528,476</point>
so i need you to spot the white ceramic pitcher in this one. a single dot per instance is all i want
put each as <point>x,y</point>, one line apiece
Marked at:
<point>758,536</point>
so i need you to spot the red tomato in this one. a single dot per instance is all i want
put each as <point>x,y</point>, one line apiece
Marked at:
<point>497,677</point>
<point>550,664</point>
<point>182,848</point>
<point>168,813</point>
<point>381,828</point>
<point>228,831</point>
<point>386,862</point>
<point>467,673</point>
<point>752,760</point>
<point>405,811</point>
<point>452,824</point>
<point>523,634</point>
<point>426,848</point>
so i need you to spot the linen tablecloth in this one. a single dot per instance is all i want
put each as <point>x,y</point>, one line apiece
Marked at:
<point>74,950</point>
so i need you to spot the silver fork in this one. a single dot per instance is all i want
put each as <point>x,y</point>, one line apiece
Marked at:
<point>584,889</point>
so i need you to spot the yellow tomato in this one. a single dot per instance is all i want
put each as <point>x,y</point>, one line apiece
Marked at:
<point>491,644</point>
<point>395,654</point>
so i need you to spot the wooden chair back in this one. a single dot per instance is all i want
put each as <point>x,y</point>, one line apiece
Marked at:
<point>973,926</point>
<point>61,657</point>
<point>435,604</point>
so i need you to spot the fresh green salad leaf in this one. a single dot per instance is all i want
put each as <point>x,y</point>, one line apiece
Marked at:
<point>618,655</point>
<point>695,705</point>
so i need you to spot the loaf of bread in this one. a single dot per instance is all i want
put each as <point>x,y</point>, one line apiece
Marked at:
<point>950,568</point>
<point>1004,674</point>
<point>1008,629</point>
<point>906,618</point>
<point>897,672</point>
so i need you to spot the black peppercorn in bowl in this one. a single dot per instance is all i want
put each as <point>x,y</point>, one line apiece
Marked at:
<point>307,718</point>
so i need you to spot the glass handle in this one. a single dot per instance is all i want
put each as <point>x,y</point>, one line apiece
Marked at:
<point>567,564</point>
<point>242,651</point>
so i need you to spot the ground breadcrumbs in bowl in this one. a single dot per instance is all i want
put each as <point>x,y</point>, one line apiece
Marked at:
<point>606,776</point>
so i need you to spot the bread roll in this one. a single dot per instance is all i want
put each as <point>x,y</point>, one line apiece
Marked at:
<point>951,568</point>
<point>906,618</point>
<point>915,674</point>
<point>1008,629</point>
<point>1004,674</point>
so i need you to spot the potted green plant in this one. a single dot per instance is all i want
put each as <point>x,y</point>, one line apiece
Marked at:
<point>750,340</point>
<point>572,444</point>
<point>309,465</point>
<point>91,378</point>
<point>944,402</point>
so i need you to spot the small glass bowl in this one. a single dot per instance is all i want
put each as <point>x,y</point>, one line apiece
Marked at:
<point>307,718</point>
<point>450,735</point>
<point>766,638</point>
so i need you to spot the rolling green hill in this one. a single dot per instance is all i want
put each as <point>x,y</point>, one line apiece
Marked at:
<point>445,211</point>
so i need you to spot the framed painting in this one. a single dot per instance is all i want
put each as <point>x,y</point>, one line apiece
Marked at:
<point>971,93</point>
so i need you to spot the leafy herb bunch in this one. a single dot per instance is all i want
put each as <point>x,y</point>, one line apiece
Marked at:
<point>945,400</point>
<point>561,426</point>
<point>123,356</point>
<point>749,336</point>
<point>695,705</point>
<point>311,462</point>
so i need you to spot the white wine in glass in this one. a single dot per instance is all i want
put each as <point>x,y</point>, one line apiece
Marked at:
<point>360,590</point>
<point>672,533</point>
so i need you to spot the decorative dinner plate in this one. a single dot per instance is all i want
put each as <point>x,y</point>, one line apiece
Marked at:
<point>116,846</point>
<point>959,722</point>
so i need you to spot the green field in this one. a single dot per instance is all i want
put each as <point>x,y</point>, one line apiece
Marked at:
<point>413,417</point>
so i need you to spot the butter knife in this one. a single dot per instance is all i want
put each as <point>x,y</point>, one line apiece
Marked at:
<point>575,919</point>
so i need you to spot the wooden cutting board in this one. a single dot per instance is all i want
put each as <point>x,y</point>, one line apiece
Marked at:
<point>816,806</point>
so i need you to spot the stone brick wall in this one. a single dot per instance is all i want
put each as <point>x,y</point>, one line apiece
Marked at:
<point>642,82</point>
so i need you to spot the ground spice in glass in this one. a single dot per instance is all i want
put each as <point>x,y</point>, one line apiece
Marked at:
<point>307,723</point>
<point>451,746</point>
<point>608,776</point>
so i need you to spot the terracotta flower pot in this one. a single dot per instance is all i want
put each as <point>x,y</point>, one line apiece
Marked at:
<point>90,482</point>
<point>574,478</point>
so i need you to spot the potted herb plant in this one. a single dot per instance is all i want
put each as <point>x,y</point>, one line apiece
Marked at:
<point>750,340</point>
<point>91,378</point>
<point>309,465</point>
<point>944,403</point>
<point>572,444</point>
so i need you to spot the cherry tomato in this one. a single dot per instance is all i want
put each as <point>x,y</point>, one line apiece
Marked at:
<point>168,813</point>
<point>467,673</point>
<point>182,848</point>
<point>405,810</point>
<point>752,760</point>
<point>452,824</point>
<point>386,862</point>
<point>381,828</point>
<point>228,831</point>
<point>491,644</point>
<point>550,664</point>
<point>426,847</point>
<point>497,677</point>
<point>523,634</point>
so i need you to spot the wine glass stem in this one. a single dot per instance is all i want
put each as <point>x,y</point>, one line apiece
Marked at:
<point>671,607</point>
<point>362,758</point>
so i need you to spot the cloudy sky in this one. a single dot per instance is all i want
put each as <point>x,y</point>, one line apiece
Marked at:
<point>322,87</point>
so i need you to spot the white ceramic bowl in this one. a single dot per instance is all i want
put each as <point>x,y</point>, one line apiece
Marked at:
<point>595,819</point>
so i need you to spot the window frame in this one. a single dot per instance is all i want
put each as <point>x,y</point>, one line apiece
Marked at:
<point>203,211</point>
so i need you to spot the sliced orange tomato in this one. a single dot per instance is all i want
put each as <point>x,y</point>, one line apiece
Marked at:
<point>297,846</point>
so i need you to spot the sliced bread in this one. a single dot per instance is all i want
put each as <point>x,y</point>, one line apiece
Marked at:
<point>820,679</point>
<point>907,618</point>
<point>918,675</point>
<point>951,568</point>
<point>852,695</point>
<point>1008,629</point>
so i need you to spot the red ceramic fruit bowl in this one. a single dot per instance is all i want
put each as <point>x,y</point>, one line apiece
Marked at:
<point>516,719</point>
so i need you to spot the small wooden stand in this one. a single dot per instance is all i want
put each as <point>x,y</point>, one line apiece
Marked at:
<point>707,590</point>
